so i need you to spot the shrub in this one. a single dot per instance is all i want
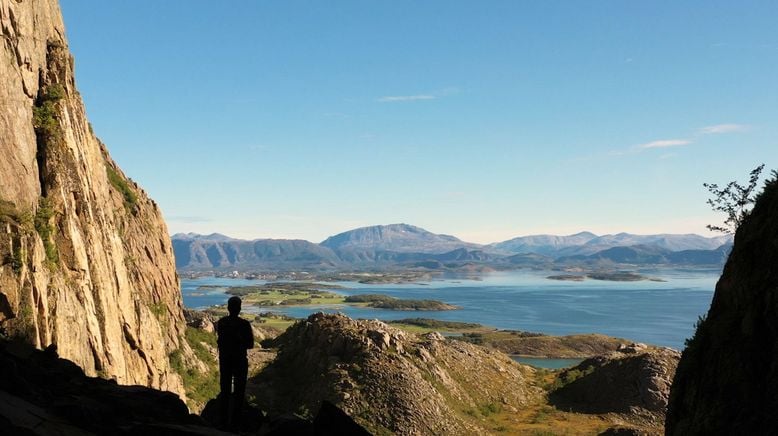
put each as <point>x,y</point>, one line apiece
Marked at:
<point>44,113</point>
<point>734,200</point>
<point>697,327</point>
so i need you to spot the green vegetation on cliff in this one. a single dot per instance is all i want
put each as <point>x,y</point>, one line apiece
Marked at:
<point>44,113</point>
<point>45,230</point>
<point>121,185</point>
<point>201,383</point>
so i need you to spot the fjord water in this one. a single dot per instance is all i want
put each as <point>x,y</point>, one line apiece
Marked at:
<point>659,313</point>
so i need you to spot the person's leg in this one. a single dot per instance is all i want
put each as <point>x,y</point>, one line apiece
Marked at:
<point>225,385</point>
<point>241,374</point>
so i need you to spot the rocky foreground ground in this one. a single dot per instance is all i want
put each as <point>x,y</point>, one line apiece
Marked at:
<point>329,374</point>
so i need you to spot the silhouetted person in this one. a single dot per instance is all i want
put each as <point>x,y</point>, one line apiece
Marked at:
<point>234,339</point>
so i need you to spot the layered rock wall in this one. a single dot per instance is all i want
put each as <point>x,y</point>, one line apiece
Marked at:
<point>85,258</point>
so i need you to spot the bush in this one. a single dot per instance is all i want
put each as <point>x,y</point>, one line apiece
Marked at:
<point>44,113</point>
<point>689,342</point>
<point>733,199</point>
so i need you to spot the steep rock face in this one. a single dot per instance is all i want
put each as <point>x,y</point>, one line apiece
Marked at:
<point>390,381</point>
<point>727,379</point>
<point>86,260</point>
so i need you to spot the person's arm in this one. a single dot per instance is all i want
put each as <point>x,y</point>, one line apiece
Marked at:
<point>249,336</point>
<point>217,326</point>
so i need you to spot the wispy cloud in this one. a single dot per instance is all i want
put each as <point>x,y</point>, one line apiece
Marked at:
<point>189,219</point>
<point>664,143</point>
<point>399,98</point>
<point>722,128</point>
<point>445,92</point>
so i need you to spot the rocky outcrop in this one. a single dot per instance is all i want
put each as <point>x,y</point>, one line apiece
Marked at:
<point>634,382</point>
<point>727,379</point>
<point>42,394</point>
<point>390,381</point>
<point>86,259</point>
<point>199,320</point>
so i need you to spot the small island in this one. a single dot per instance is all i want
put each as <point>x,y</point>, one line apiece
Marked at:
<point>309,293</point>
<point>567,277</point>
<point>614,276</point>
<point>379,301</point>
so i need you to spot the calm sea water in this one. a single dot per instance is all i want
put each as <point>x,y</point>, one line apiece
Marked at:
<point>660,313</point>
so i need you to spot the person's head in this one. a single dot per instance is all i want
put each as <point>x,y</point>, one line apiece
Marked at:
<point>233,306</point>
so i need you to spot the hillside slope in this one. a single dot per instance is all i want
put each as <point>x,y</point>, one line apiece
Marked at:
<point>391,381</point>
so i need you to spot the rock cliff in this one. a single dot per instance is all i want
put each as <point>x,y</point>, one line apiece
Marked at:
<point>86,259</point>
<point>727,378</point>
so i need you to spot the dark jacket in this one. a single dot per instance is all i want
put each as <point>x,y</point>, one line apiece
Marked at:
<point>234,337</point>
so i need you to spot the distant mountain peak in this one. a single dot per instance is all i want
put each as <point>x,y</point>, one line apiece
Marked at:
<point>394,237</point>
<point>191,236</point>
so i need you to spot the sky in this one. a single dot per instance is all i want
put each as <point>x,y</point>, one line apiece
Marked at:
<point>484,120</point>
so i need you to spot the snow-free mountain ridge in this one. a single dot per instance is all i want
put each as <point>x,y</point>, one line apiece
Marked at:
<point>404,244</point>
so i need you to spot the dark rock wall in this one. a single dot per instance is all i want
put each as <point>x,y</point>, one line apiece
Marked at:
<point>727,380</point>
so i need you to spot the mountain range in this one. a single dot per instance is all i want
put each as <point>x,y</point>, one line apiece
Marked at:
<point>405,245</point>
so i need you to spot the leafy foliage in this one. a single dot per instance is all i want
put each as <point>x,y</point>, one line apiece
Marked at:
<point>734,200</point>
<point>44,113</point>
<point>697,327</point>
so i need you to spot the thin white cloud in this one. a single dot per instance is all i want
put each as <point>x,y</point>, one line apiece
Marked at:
<point>722,128</point>
<point>189,219</point>
<point>664,143</point>
<point>399,98</point>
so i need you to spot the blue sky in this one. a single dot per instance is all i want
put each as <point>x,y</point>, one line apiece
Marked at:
<point>485,120</point>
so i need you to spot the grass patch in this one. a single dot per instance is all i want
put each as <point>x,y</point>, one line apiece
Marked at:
<point>200,386</point>
<point>120,184</point>
<point>489,409</point>
<point>159,310</point>
<point>45,230</point>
